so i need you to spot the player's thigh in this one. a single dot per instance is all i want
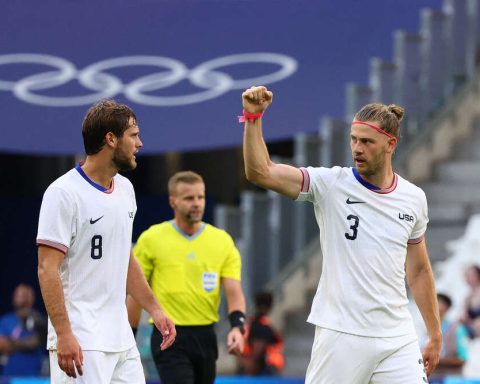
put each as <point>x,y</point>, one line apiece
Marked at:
<point>405,365</point>
<point>340,358</point>
<point>98,368</point>
<point>129,369</point>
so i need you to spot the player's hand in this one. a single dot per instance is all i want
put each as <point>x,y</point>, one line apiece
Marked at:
<point>431,355</point>
<point>69,353</point>
<point>166,328</point>
<point>235,341</point>
<point>256,99</point>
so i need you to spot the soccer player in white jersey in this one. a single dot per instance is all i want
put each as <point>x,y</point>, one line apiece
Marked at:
<point>85,265</point>
<point>372,224</point>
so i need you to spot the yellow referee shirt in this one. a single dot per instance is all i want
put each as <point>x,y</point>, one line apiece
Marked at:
<point>185,271</point>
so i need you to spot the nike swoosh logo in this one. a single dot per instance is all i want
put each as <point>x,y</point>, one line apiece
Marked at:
<point>94,221</point>
<point>355,202</point>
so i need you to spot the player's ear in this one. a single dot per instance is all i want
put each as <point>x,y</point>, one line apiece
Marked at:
<point>392,145</point>
<point>110,139</point>
<point>171,201</point>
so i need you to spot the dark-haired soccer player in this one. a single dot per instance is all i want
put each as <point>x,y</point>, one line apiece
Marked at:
<point>85,266</point>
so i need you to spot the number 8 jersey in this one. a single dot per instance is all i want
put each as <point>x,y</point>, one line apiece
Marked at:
<point>364,233</point>
<point>92,226</point>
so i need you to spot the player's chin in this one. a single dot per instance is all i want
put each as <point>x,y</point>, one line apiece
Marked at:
<point>362,168</point>
<point>360,164</point>
<point>126,167</point>
<point>132,164</point>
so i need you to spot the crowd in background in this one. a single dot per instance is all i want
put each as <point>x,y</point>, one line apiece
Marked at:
<point>23,334</point>
<point>461,334</point>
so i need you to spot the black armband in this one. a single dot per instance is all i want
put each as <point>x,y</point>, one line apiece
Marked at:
<point>134,330</point>
<point>237,319</point>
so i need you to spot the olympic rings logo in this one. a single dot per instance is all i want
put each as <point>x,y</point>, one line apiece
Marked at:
<point>95,78</point>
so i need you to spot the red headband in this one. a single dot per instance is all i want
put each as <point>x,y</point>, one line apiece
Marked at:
<point>378,129</point>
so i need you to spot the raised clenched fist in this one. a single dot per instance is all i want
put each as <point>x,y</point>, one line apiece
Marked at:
<point>256,99</point>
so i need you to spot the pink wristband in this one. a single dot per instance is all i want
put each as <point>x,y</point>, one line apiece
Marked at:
<point>249,116</point>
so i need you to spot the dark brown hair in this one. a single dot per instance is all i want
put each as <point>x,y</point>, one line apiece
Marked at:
<point>103,117</point>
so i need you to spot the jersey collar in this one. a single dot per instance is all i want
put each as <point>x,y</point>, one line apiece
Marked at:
<point>188,237</point>
<point>374,188</point>
<point>101,188</point>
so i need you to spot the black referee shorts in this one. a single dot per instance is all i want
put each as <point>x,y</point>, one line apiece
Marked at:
<point>192,357</point>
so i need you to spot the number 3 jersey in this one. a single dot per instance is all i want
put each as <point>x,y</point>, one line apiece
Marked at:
<point>364,233</point>
<point>92,226</point>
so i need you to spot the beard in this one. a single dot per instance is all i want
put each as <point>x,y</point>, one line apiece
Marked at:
<point>373,166</point>
<point>122,162</point>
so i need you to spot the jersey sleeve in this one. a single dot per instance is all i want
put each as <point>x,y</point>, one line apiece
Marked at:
<point>317,182</point>
<point>56,223</point>
<point>418,231</point>
<point>233,265</point>
<point>141,251</point>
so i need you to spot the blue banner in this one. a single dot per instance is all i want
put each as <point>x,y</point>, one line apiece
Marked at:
<point>182,65</point>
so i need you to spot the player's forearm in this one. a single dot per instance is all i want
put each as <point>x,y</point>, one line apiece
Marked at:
<point>54,299</point>
<point>423,290</point>
<point>138,288</point>
<point>134,312</point>
<point>255,152</point>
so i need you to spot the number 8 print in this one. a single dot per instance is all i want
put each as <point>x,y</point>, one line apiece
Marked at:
<point>96,252</point>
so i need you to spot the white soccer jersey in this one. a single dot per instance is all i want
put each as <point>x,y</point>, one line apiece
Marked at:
<point>93,227</point>
<point>364,234</point>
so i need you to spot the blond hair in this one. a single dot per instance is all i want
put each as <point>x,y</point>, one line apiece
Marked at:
<point>188,177</point>
<point>387,116</point>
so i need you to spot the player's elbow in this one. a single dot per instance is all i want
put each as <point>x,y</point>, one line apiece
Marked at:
<point>259,176</point>
<point>253,176</point>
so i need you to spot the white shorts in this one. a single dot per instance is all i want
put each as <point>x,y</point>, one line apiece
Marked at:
<point>339,357</point>
<point>102,368</point>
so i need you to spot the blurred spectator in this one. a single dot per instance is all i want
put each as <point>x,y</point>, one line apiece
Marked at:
<point>23,335</point>
<point>263,353</point>
<point>455,341</point>
<point>471,318</point>
<point>472,366</point>
<point>472,303</point>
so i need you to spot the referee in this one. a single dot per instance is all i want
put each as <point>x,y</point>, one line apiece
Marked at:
<point>186,261</point>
